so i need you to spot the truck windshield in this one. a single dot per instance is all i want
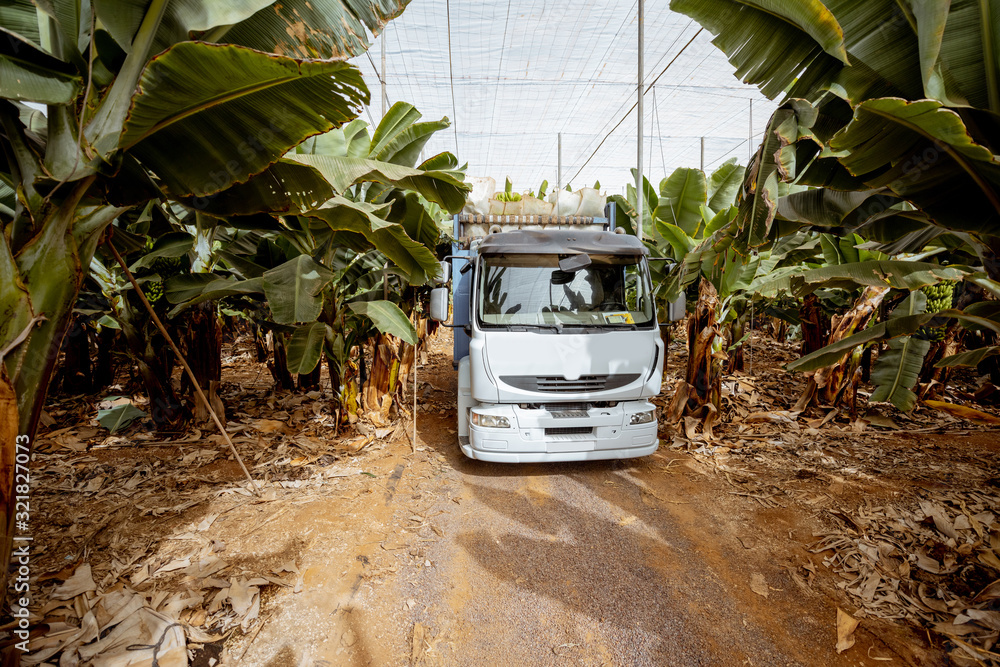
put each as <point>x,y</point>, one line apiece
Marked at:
<point>531,291</point>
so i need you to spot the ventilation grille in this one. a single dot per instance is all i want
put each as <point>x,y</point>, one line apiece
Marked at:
<point>556,384</point>
<point>570,430</point>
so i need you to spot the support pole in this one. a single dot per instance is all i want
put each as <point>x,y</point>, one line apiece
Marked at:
<point>416,349</point>
<point>385,98</point>
<point>750,136</point>
<point>649,152</point>
<point>703,153</point>
<point>639,194</point>
<point>558,170</point>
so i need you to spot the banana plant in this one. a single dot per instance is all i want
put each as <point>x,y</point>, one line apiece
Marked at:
<point>377,213</point>
<point>880,96</point>
<point>320,299</point>
<point>169,100</point>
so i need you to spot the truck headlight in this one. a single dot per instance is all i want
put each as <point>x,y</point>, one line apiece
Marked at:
<point>641,418</point>
<point>490,421</point>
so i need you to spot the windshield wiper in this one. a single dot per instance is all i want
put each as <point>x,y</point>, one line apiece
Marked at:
<point>528,327</point>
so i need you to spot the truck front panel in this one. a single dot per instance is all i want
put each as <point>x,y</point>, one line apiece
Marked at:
<point>521,433</point>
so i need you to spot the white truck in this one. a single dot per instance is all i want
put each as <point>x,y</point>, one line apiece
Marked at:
<point>557,346</point>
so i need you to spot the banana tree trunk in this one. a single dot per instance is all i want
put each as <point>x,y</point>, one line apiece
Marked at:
<point>146,350</point>
<point>202,344</point>
<point>704,367</point>
<point>8,451</point>
<point>278,365</point>
<point>42,279</point>
<point>259,342</point>
<point>815,325</point>
<point>310,381</point>
<point>933,380</point>
<point>828,384</point>
<point>104,369</point>
<point>736,332</point>
<point>201,341</point>
<point>350,395</point>
<point>377,394</point>
<point>75,373</point>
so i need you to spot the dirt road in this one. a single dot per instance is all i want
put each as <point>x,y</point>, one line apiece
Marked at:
<point>431,558</point>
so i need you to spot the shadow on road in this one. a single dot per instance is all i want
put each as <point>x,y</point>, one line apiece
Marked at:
<point>635,573</point>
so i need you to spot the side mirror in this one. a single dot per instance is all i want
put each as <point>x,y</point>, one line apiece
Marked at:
<point>676,310</point>
<point>445,275</point>
<point>439,304</point>
<point>560,277</point>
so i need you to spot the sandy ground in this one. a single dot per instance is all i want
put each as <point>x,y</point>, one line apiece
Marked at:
<point>644,562</point>
<point>402,555</point>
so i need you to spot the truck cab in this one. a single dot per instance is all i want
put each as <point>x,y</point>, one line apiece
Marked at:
<point>557,346</point>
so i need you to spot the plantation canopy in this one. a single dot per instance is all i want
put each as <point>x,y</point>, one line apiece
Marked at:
<point>525,70</point>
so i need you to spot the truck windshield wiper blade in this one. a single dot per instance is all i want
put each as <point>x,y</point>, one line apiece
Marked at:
<point>527,327</point>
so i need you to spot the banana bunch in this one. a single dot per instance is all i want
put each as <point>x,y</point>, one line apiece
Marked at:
<point>153,290</point>
<point>167,266</point>
<point>164,267</point>
<point>939,297</point>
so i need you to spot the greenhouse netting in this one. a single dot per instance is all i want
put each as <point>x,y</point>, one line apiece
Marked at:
<point>521,72</point>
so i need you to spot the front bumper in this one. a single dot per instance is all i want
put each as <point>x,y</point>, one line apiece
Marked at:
<point>551,434</point>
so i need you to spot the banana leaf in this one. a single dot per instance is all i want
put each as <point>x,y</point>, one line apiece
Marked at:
<point>362,220</point>
<point>682,194</point>
<point>897,274</point>
<point>119,416</point>
<point>891,328</point>
<point>898,368</point>
<point>924,153</point>
<point>29,73</point>
<point>187,290</point>
<point>388,319</point>
<point>123,18</point>
<point>724,184</point>
<point>248,109</point>
<point>679,242</point>
<point>293,289</point>
<point>970,358</point>
<point>440,187</point>
<point>305,347</point>
<point>770,44</point>
<point>320,29</point>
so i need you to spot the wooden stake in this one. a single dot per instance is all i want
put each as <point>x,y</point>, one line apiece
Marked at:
<point>184,363</point>
<point>416,348</point>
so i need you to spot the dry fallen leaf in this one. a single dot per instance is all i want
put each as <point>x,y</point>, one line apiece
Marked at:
<point>270,426</point>
<point>963,412</point>
<point>881,422</point>
<point>846,625</point>
<point>777,417</point>
<point>759,585</point>
<point>241,595</point>
<point>176,564</point>
<point>207,522</point>
<point>417,650</point>
<point>81,582</point>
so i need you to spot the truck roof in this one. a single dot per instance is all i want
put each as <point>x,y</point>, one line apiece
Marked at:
<point>561,241</point>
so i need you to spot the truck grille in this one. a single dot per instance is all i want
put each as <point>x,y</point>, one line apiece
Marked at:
<point>570,430</point>
<point>554,383</point>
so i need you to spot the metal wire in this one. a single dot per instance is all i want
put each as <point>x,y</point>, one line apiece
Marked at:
<point>634,106</point>
<point>454,111</point>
